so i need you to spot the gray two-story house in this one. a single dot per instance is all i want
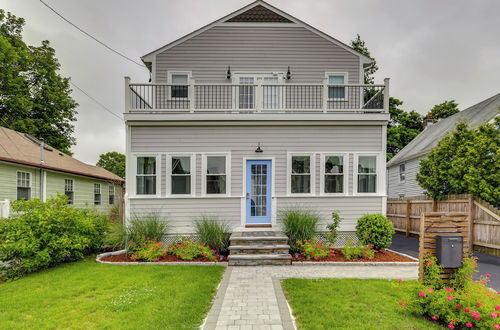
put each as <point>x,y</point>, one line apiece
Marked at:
<point>254,113</point>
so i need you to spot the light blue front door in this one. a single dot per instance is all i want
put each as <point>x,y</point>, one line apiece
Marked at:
<point>258,194</point>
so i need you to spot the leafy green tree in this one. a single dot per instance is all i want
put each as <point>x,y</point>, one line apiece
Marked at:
<point>34,98</point>
<point>359,45</point>
<point>464,161</point>
<point>445,109</point>
<point>114,162</point>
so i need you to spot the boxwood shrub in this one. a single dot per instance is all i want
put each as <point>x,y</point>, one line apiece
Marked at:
<point>42,234</point>
<point>376,230</point>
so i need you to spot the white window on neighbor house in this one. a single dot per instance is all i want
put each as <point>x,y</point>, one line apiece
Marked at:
<point>146,176</point>
<point>23,185</point>
<point>181,175</point>
<point>402,172</point>
<point>336,92</point>
<point>68,190</point>
<point>111,196</point>
<point>334,174</point>
<point>366,174</point>
<point>97,194</point>
<point>179,82</point>
<point>215,175</point>
<point>300,174</point>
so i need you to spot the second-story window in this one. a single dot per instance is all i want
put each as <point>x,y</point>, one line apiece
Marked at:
<point>336,92</point>
<point>68,190</point>
<point>179,89</point>
<point>402,173</point>
<point>97,194</point>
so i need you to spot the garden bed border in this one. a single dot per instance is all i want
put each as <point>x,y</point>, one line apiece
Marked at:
<point>165,263</point>
<point>361,263</point>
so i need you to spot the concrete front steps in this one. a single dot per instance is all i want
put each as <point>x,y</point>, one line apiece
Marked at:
<point>253,248</point>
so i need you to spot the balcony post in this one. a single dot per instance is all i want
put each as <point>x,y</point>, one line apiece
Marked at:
<point>259,95</point>
<point>386,95</point>
<point>127,94</point>
<point>325,94</point>
<point>191,94</point>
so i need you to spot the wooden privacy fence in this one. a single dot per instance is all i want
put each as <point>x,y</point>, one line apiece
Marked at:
<point>405,213</point>
<point>433,224</point>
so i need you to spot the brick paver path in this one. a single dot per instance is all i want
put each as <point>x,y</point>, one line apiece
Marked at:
<point>252,298</point>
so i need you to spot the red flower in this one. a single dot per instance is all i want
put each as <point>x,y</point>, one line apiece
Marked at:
<point>399,281</point>
<point>434,317</point>
<point>496,326</point>
<point>450,297</point>
<point>468,325</point>
<point>494,315</point>
<point>466,310</point>
<point>458,306</point>
<point>487,275</point>
<point>421,294</point>
<point>428,262</point>
<point>451,326</point>
<point>448,289</point>
<point>479,304</point>
<point>497,307</point>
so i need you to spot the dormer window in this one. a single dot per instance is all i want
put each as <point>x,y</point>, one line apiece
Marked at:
<point>179,84</point>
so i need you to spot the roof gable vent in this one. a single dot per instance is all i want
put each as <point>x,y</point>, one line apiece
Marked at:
<point>259,14</point>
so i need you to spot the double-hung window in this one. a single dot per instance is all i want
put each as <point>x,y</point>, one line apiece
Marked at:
<point>216,175</point>
<point>301,178</point>
<point>336,92</point>
<point>68,190</point>
<point>146,176</point>
<point>402,172</point>
<point>23,185</point>
<point>367,174</point>
<point>97,194</point>
<point>334,168</point>
<point>111,196</point>
<point>180,176</point>
<point>179,84</point>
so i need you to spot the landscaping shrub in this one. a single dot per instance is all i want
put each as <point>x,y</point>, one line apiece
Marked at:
<point>432,272</point>
<point>376,230</point>
<point>188,249</point>
<point>313,249</point>
<point>332,234</point>
<point>42,234</point>
<point>213,233</point>
<point>298,225</point>
<point>146,226</point>
<point>150,250</point>
<point>357,251</point>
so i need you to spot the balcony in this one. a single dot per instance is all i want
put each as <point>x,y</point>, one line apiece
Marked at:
<point>255,98</point>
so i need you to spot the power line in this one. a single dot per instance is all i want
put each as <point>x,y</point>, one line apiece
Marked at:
<point>92,37</point>
<point>96,101</point>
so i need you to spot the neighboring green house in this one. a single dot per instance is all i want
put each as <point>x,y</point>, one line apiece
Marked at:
<point>30,169</point>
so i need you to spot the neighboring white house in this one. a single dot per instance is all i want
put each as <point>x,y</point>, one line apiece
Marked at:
<point>404,166</point>
<point>254,113</point>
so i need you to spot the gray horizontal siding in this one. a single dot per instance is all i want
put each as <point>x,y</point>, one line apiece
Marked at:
<point>241,141</point>
<point>409,187</point>
<point>257,49</point>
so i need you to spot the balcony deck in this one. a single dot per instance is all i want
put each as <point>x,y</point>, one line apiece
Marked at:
<point>256,98</point>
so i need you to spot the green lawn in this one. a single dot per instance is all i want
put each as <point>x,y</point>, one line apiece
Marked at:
<point>86,295</point>
<point>351,304</point>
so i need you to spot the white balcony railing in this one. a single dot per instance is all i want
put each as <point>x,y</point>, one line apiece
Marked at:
<point>256,97</point>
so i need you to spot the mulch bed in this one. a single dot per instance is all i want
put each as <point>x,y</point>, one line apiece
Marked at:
<point>166,258</point>
<point>380,256</point>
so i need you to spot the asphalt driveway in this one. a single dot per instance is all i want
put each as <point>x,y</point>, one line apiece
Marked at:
<point>487,264</point>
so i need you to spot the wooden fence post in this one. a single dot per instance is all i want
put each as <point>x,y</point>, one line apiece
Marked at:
<point>408,217</point>
<point>471,223</point>
<point>434,205</point>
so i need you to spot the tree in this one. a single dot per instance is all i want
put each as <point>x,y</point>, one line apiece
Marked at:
<point>443,110</point>
<point>34,98</point>
<point>464,161</point>
<point>114,162</point>
<point>403,126</point>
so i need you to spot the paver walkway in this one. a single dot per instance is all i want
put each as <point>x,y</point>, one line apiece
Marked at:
<point>252,298</point>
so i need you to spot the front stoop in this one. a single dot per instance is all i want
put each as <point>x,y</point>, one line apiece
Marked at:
<point>253,248</point>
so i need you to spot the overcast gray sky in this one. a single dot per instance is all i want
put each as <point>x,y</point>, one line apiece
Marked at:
<point>432,50</point>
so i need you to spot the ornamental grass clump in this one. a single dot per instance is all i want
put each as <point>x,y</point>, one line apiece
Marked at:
<point>189,249</point>
<point>376,230</point>
<point>298,225</point>
<point>213,233</point>
<point>146,225</point>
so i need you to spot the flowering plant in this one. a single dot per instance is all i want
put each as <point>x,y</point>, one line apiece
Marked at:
<point>188,249</point>
<point>313,249</point>
<point>149,250</point>
<point>357,251</point>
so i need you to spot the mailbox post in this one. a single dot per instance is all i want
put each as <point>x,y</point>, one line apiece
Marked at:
<point>449,250</point>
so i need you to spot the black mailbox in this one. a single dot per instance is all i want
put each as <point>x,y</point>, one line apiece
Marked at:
<point>449,250</point>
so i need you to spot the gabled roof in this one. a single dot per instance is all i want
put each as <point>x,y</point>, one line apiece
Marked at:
<point>475,115</point>
<point>258,11</point>
<point>20,148</point>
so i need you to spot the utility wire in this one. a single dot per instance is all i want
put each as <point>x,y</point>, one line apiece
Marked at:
<point>92,37</point>
<point>96,101</point>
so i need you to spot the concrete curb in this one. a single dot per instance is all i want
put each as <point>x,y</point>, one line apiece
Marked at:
<point>210,321</point>
<point>360,264</point>
<point>285,311</point>
<point>162,263</point>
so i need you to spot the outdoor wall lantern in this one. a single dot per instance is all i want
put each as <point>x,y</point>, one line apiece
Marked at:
<point>228,73</point>
<point>288,74</point>
<point>259,149</point>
